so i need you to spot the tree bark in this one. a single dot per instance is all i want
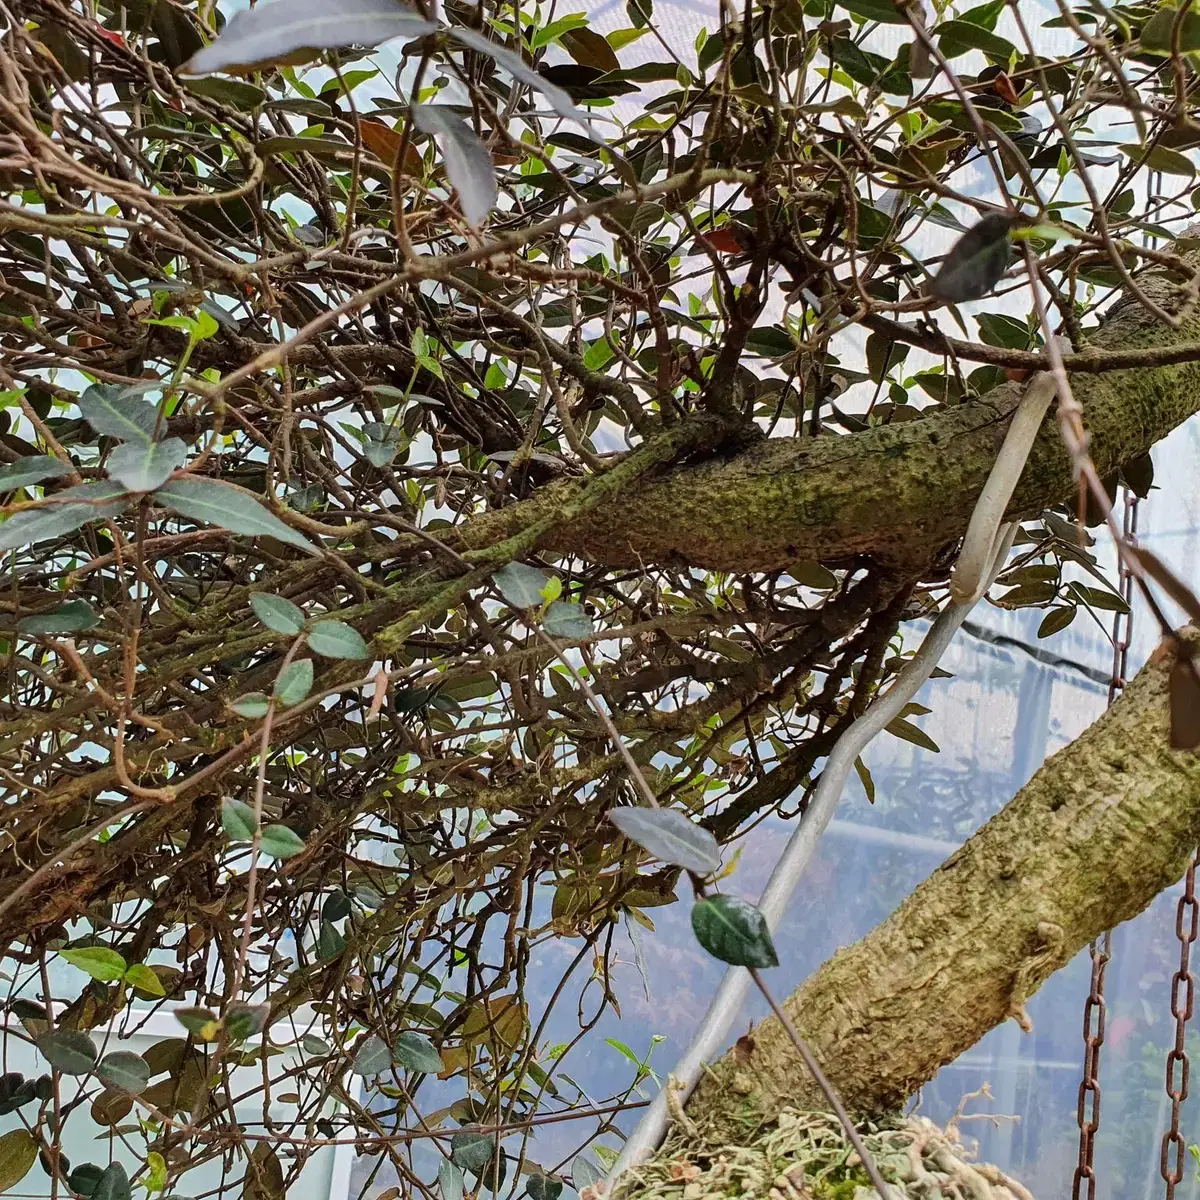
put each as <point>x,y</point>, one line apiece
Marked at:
<point>894,492</point>
<point>1100,830</point>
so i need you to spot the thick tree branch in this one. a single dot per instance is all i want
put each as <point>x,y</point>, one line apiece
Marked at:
<point>1101,829</point>
<point>893,491</point>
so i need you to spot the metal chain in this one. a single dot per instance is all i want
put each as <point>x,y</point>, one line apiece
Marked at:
<point>1083,1186</point>
<point>1088,1114</point>
<point>1183,994</point>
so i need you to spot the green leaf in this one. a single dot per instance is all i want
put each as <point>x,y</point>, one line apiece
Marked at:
<point>143,466</point>
<point>142,978</point>
<point>520,585</point>
<point>30,470</point>
<point>864,776</point>
<point>371,1056</point>
<point>244,1021</point>
<point>63,514</point>
<point>450,1181</point>
<point>543,1187</point>
<point>1056,619</point>
<point>237,93</point>
<point>469,166</point>
<point>252,704</point>
<point>1157,32</point>
<point>315,1045</point>
<point>976,262</point>
<point>415,1051</point>
<point>124,1071</point>
<point>294,682</point>
<point>471,1150</point>
<point>569,621</point>
<point>99,962</point>
<point>330,942</point>
<point>337,906</point>
<point>519,69</point>
<point>909,732</point>
<point>734,931</point>
<point>585,1173</point>
<point>960,37</point>
<point>113,1184</point>
<point>84,1178</point>
<point>669,835</point>
<point>883,11</point>
<point>384,442</point>
<point>336,639</point>
<point>202,1023</point>
<point>220,504</point>
<point>237,820</point>
<point>280,842</point>
<point>68,1051</point>
<point>18,1153</point>
<point>119,413</point>
<point>1161,158</point>
<point>277,613</point>
<point>72,617</point>
<point>269,32</point>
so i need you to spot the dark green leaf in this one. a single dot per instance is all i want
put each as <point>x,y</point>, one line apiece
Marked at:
<point>277,613</point>
<point>72,617</point>
<point>124,1071</point>
<point>585,1173</point>
<point>733,931</point>
<point>669,835</point>
<point>34,468</point>
<point>415,1051</point>
<point>294,683</point>
<point>252,705</point>
<point>336,639</point>
<point>469,166</point>
<point>471,1150</point>
<point>243,1021</point>
<point>116,413</point>
<point>272,31</point>
<point>568,621</point>
<point>65,513</point>
<point>330,942</point>
<point>113,1184</point>
<point>371,1056</point>
<point>521,585</point>
<point>226,507</point>
<point>1158,32</point>
<point>1138,474</point>
<point>998,330</point>
<point>960,37</point>
<point>280,842</point>
<point>543,1187</point>
<point>909,732</point>
<point>337,906</point>
<point>84,1178</point>
<point>68,1051</point>
<point>237,819</point>
<point>875,10</point>
<point>450,1181</point>
<point>384,442</point>
<point>1056,619</point>
<point>1162,158</point>
<point>976,262</point>
<point>519,69</point>
<point>141,466</point>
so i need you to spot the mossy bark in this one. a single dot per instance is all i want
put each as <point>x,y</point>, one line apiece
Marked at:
<point>895,492</point>
<point>1100,830</point>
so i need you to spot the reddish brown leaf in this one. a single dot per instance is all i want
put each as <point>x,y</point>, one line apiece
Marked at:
<point>1185,705</point>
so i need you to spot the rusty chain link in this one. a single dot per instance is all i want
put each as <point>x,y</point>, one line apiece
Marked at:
<point>1083,1186</point>
<point>1088,1114</point>
<point>1183,995</point>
